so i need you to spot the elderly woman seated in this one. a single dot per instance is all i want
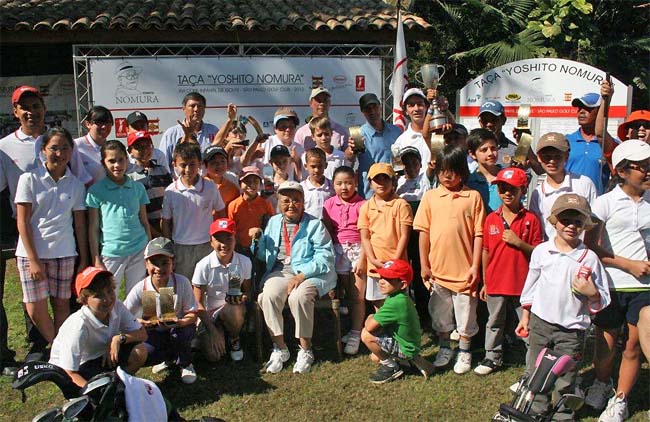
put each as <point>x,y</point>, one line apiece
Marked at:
<point>299,257</point>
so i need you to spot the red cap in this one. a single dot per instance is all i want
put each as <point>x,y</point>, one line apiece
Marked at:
<point>513,176</point>
<point>635,115</point>
<point>86,277</point>
<point>225,225</point>
<point>396,268</point>
<point>136,136</point>
<point>18,92</point>
<point>248,170</point>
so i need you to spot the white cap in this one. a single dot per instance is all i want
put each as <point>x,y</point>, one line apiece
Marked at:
<point>631,150</point>
<point>413,91</point>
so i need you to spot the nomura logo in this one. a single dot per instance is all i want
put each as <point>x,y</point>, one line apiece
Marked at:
<point>127,77</point>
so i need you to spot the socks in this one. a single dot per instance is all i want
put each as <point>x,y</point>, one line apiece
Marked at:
<point>464,345</point>
<point>445,343</point>
<point>389,362</point>
<point>355,333</point>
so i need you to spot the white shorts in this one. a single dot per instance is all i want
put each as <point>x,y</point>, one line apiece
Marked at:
<point>372,289</point>
<point>446,304</point>
<point>347,256</point>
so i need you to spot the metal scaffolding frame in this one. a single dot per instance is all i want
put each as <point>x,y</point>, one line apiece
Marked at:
<point>82,54</point>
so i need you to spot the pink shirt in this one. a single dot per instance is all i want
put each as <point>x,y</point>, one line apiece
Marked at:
<point>343,217</point>
<point>340,136</point>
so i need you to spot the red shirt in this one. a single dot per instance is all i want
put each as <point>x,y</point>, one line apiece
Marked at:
<point>508,266</point>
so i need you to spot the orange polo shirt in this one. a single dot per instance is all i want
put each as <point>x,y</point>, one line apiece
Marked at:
<point>384,224</point>
<point>248,214</point>
<point>228,190</point>
<point>453,220</point>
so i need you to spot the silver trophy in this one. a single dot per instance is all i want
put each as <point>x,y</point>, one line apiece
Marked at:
<point>430,77</point>
<point>234,281</point>
<point>357,137</point>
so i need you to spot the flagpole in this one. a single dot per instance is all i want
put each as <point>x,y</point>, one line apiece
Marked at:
<point>399,80</point>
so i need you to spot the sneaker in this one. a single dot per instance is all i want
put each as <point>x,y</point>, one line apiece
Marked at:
<point>236,352</point>
<point>616,410</point>
<point>278,357</point>
<point>487,366</point>
<point>386,374</point>
<point>454,336</point>
<point>352,345</point>
<point>188,374</point>
<point>303,361</point>
<point>443,358</point>
<point>162,366</point>
<point>598,394</point>
<point>463,362</point>
<point>345,338</point>
<point>514,387</point>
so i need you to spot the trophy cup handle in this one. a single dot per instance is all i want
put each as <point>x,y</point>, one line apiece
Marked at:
<point>418,77</point>
<point>441,73</point>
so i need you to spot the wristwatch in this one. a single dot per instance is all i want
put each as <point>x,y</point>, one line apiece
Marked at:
<point>122,338</point>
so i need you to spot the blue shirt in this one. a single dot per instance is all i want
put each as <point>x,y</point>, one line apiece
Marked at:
<point>377,151</point>
<point>172,135</point>
<point>489,192</point>
<point>122,233</point>
<point>585,158</point>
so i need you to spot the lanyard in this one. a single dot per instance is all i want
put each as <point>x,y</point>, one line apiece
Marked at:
<point>285,237</point>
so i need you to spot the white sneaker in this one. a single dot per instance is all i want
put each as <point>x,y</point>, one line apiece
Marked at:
<point>188,374</point>
<point>352,345</point>
<point>514,387</point>
<point>162,366</point>
<point>443,357</point>
<point>303,361</point>
<point>598,394</point>
<point>454,336</point>
<point>236,352</point>
<point>346,337</point>
<point>616,410</point>
<point>278,357</point>
<point>463,363</point>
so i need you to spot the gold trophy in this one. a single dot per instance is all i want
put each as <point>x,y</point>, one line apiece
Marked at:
<point>159,306</point>
<point>357,137</point>
<point>525,137</point>
<point>430,76</point>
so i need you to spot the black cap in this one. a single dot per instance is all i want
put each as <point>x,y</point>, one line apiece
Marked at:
<point>368,99</point>
<point>280,150</point>
<point>213,150</point>
<point>136,116</point>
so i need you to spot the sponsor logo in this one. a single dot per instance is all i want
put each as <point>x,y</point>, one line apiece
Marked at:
<point>127,78</point>
<point>340,79</point>
<point>120,127</point>
<point>568,96</point>
<point>360,83</point>
<point>513,97</point>
<point>316,81</point>
<point>154,126</point>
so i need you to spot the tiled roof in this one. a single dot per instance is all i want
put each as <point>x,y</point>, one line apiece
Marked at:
<point>194,15</point>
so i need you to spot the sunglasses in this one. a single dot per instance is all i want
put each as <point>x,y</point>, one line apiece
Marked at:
<point>635,125</point>
<point>574,221</point>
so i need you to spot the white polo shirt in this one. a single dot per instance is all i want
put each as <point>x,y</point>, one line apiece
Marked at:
<point>547,291</point>
<point>91,157</point>
<point>273,141</point>
<point>213,274</point>
<point>76,162</point>
<point>52,205</point>
<point>83,337</point>
<point>16,157</point>
<point>626,234</point>
<point>544,196</point>
<point>190,209</point>
<point>412,190</point>
<point>414,139</point>
<point>315,197</point>
<point>184,301</point>
<point>334,160</point>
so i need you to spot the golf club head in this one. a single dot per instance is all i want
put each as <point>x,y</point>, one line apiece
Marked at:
<point>74,407</point>
<point>573,401</point>
<point>96,383</point>
<point>53,414</point>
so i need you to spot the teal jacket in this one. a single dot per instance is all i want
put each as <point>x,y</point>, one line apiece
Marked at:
<point>312,252</point>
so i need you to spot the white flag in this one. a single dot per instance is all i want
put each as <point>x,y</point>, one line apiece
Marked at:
<point>400,79</point>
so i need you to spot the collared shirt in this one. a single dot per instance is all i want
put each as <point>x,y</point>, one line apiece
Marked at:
<point>334,160</point>
<point>507,266</point>
<point>412,138</point>
<point>340,136</point>
<point>17,156</point>
<point>586,158</point>
<point>453,221</point>
<point>155,180</point>
<point>210,272</point>
<point>83,337</point>
<point>184,301</point>
<point>76,162</point>
<point>626,234</point>
<point>90,153</point>
<point>378,150</point>
<point>248,214</point>
<point>315,196</point>
<point>412,190</point>
<point>172,135</point>
<point>489,192</point>
<point>122,233</point>
<point>52,203</point>
<point>343,217</point>
<point>191,208</point>
<point>543,197</point>
<point>273,141</point>
<point>547,291</point>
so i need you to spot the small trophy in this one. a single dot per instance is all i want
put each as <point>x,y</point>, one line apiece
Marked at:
<point>437,144</point>
<point>430,78</point>
<point>234,281</point>
<point>525,137</point>
<point>523,114</point>
<point>396,159</point>
<point>357,137</point>
<point>159,307</point>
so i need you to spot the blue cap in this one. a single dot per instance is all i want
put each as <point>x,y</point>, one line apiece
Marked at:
<point>493,107</point>
<point>590,100</point>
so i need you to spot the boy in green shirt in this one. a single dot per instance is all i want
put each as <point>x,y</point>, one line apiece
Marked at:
<point>394,331</point>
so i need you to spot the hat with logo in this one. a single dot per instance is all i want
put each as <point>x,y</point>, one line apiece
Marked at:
<point>136,116</point>
<point>159,246</point>
<point>395,269</point>
<point>492,107</point>
<point>411,92</point>
<point>87,276</point>
<point>590,100</point>
<point>410,150</point>
<point>250,170</point>
<point>280,151</point>
<point>222,225</point>
<point>643,115</point>
<point>285,113</point>
<point>631,150</point>
<point>18,92</point>
<point>571,201</point>
<point>554,140</point>
<point>290,185</point>
<point>319,90</point>
<point>380,168</point>
<point>136,136</point>
<point>513,176</point>
<point>368,100</point>
<point>213,150</point>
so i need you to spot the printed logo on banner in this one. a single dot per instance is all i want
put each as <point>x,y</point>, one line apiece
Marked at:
<point>360,83</point>
<point>154,126</point>
<point>120,127</point>
<point>127,78</point>
<point>340,79</point>
<point>568,96</point>
<point>316,81</point>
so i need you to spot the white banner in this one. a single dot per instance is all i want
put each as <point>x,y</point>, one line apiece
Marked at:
<point>257,85</point>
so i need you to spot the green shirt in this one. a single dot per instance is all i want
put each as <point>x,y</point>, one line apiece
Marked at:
<point>400,320</point>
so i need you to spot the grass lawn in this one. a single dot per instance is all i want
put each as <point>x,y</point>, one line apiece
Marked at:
<point>332,391</point>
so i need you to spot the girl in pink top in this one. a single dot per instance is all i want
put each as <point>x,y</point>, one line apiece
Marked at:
<point>340,215</point>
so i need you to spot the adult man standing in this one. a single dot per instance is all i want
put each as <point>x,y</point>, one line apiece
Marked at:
<point>193,126</point>
<point>378,135</point>
<point>320,100</point>
<point>415,105</point>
